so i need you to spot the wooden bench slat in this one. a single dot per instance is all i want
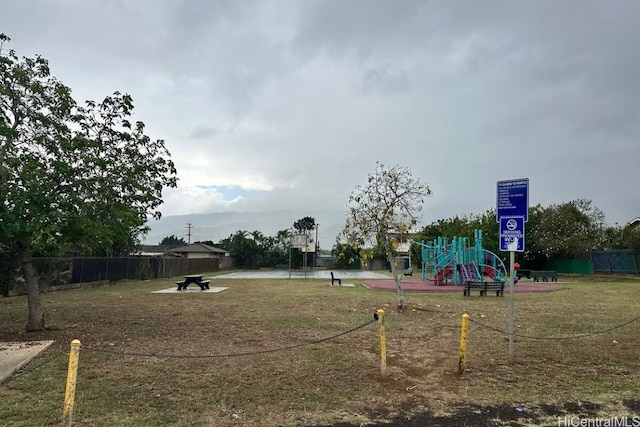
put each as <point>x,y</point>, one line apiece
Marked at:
<point>484,287</point>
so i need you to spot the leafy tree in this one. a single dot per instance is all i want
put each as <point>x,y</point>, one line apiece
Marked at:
<point>535,255</point>
<point>630,237</point>
<point>305,225</point>
<point>244,249</point>
<point>173,240</point>
<point>271,253</point>
<point>282,239</point>
<point>612,238</point>
<point>459,226</point>
<point>567,230</point>
<point>490,230</point>
<point>70,175</point>
<point>625,237</point>
<point>346,254</point>
<point>257,236</point>
<point>224,243</point>
<point>261,244</point>
<point>389,202</point>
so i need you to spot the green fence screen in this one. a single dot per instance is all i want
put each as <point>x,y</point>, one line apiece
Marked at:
<point>616,262</point>
<point>571,266</point>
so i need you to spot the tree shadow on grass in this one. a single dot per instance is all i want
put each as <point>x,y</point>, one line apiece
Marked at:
<point>487,416</point>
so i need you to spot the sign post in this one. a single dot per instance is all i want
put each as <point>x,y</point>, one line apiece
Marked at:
<point>512,206</point>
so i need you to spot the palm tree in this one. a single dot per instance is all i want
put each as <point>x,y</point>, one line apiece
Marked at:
<point>282,238</point>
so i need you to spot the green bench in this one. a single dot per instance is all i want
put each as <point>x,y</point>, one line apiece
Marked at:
<point>545,275</point>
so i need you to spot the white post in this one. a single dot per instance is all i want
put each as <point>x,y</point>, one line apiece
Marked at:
<point>290,242</point>
<point>512,258</point>
<point>306,247</point>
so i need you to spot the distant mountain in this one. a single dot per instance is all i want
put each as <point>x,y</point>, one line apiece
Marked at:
<point>217,226</point>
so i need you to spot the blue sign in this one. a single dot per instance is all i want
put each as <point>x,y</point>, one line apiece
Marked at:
<point>512,234</point>
<point>513,199</point>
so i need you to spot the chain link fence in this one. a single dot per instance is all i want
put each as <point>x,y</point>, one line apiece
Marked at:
<point>616,262</point>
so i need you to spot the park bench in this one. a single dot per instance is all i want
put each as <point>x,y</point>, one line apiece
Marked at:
<point>484,287</point>
<point>545,275</point>
<point>471,281</point>
<point>335,279</point>
<point>409,272</point>
<point>524,273</point>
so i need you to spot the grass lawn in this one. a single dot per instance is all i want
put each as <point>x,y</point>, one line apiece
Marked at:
<point>197,359</point>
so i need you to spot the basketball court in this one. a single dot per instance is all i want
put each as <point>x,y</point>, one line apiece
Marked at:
<point>377,280</point>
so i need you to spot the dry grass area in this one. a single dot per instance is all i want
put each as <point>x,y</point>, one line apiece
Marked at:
<point>196,359</point>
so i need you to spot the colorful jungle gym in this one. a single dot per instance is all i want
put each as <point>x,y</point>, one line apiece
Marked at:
<point>443,260</point>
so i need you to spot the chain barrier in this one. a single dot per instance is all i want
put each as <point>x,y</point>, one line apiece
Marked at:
<point>238,354</point>
<point>570,337</point>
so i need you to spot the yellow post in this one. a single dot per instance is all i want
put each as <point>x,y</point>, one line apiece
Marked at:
<point>383,344</point>
<point>70,393</point>
<point>464,333</point>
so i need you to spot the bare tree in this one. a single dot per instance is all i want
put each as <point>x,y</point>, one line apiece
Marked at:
<point>389,203</point>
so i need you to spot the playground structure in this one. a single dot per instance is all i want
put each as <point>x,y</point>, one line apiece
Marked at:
<point>443,261</point>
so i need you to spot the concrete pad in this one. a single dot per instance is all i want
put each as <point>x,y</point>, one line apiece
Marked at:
<point>190,290</point>
<point>298,274</point>
<point>14,355</point>
<point>344,285</point>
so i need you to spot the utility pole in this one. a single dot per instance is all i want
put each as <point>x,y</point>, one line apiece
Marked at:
<point>317,243</point>
<point>189,227</point>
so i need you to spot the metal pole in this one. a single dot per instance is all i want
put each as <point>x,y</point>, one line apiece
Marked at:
<point>290,237</point>
<point>304,260</point>
<point>512,260</point>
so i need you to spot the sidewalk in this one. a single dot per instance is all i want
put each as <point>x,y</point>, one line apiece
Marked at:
<point>14,355</point>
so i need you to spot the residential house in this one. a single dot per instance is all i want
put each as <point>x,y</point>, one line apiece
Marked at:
<point>198,250</point>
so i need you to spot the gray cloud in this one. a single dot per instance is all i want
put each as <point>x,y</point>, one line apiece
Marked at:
<point>302,98</point>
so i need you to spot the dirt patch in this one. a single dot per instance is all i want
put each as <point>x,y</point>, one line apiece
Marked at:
<point>487,416</point>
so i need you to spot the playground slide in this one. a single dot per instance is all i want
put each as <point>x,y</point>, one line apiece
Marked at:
<point>490,272</point>
<point>442,273</point>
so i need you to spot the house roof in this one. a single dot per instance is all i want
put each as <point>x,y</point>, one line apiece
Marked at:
<point>634,221</point>
<point>156,248</point>
<point>198,248</point>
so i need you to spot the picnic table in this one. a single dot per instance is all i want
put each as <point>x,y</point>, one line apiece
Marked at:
<point>193,278</point>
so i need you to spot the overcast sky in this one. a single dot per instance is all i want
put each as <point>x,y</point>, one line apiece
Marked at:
<point>268,105</point>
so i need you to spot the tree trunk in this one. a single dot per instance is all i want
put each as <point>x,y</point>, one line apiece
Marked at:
<point>396,276</point>
<point>35,319</point>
